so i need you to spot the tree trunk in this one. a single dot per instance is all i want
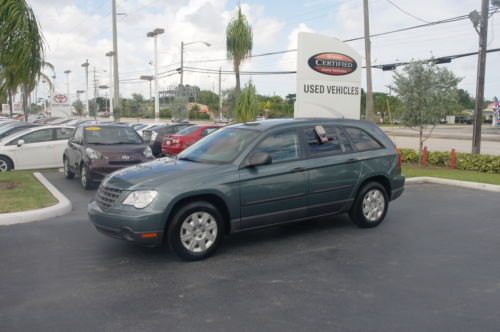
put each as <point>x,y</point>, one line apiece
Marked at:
<point>237,90</point>
<point>11,103</point>
<point>25,103</point>
<point>420,145</point>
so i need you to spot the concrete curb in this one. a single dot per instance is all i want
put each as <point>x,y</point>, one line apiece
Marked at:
<point>456,183</point>
<point>59,209</point>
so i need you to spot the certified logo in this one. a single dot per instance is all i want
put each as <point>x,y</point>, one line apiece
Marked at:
<point>125,157</point>
<point>335,64</point>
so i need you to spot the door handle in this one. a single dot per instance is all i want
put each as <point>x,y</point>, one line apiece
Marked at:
<point>297,169</point>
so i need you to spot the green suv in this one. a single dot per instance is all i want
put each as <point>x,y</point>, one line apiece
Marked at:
<point>252,175</point>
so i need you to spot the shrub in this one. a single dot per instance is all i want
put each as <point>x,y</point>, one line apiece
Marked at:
<point>408,155</point>
<point>465,161</point>
<point>165,113</point>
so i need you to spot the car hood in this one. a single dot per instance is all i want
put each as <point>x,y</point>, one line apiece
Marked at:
<point>152,174</point>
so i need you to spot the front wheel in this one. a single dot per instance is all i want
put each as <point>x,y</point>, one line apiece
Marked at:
<point>370,206</point>
<point>195,231</point>
<point>87,183</point>
<point>5,164</point>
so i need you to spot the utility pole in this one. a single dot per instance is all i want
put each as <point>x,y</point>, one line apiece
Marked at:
<point>116,89</point>
<point>220,93</point>
<point>182,63</point>
<point>368,60</point>
<point>154,34</point>
<point>110,55</point>
<point>481,67</point>
<point>86,66</point>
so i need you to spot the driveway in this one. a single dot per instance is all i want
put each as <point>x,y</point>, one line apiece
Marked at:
<point>432,265</point>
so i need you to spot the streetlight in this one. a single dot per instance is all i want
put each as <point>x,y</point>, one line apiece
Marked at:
<point>110,55</point>
<point>86,66</point>
<point>105,87</point>
<point>154,34</point>
<point>67,72</point>
<point>148,78</point>
<point>182,56</point>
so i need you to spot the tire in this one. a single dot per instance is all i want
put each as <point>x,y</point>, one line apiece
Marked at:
<point>87,183</point>
<point>200,243</point>
<point>370,206</point>
<point>67,171</point>
<point>5,164</point>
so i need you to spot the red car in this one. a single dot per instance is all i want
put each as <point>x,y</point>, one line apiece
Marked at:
<point>175,144</point>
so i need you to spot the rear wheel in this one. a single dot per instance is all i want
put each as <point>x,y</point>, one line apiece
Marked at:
<point>5,164</point>
<point>370,206</point>
<point>195,231</point>
<point>67,171</point>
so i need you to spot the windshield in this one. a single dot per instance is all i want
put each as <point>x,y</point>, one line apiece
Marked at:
<point>188,130</point>
<point>221,147</point>
<point>111,135</point>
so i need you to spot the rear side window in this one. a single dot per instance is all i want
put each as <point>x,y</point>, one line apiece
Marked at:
<point>337,141</point>
<point>362,140</point>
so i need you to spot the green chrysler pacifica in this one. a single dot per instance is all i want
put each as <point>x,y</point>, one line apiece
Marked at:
<point>252,175</point>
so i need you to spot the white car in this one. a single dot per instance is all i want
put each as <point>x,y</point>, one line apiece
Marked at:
<point>38,147</point>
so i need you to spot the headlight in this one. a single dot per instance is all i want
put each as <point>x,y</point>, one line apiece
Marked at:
<point>140,199</point>
<point>93,154</point>
<point>147,152</point>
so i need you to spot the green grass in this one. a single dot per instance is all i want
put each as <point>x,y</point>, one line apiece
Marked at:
<point>21,191</point>
<point>411,171</point>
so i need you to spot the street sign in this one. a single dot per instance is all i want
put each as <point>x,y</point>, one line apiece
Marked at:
<point>328,78</point>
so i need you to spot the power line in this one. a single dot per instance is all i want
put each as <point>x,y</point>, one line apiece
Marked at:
<point>407,13</point>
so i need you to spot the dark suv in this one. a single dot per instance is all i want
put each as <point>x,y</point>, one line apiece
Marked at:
<point>252,175</point>
<point>154,137</point>
<point>94,151</point>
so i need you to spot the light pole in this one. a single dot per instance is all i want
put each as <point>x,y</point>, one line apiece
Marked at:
<point>86,66</point>
<point>148,78</point>
<point>182,55</point>
<point>116,89</point>
<point>67,72</point>
<point>110,55</point>
<point>154,34</point>
<point>104,87</point>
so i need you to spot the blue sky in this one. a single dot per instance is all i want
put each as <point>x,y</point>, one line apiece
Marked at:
<point>79,30</point>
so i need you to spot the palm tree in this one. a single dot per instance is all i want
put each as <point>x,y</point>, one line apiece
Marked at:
<point>247,108</point>
<point>21,42</point>
<point>239,40</point>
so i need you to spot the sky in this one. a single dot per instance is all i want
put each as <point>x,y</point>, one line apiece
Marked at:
<point>76,30</point>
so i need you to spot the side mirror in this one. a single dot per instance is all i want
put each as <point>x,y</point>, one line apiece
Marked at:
<point>20,143</point>
<point>259,158</point>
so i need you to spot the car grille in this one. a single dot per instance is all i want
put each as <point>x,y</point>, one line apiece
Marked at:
<point>125,162</point>
<point>105,197</point>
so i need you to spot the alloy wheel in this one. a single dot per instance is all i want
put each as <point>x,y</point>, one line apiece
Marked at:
<point>373,205</point>
<point>4,167</point>
<point>198,232</point>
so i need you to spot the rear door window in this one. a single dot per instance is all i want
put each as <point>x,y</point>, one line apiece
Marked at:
<point>336,142</point>
<point>362,140</point>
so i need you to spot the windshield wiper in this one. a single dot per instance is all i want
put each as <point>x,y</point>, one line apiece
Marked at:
<point>187,159</point>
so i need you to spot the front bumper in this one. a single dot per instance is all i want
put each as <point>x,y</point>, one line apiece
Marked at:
<point>139,226</point>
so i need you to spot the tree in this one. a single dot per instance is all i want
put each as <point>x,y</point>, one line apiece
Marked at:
<point>79,107</point>
<point>428,93</point>
<point>465,100</point>
<point>247,108</point>
<point>239,43</point>
<point>21,42</point>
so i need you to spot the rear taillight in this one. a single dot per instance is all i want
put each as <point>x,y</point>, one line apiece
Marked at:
<point>399,157</point>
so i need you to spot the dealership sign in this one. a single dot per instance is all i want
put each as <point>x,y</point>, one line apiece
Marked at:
<point>328,78</point>
<point>60,100</point>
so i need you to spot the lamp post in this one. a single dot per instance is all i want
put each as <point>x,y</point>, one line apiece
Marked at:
<point>110,55</point>
<point>86,66</point>
<point>67,72</point>
<point>148,78</point>
<point>182,55</point>
<point>105,87</point>
<point>154,34</point>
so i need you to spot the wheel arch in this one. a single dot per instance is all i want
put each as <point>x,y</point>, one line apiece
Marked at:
<point>9,159</point>
<point>382,179</point>
<point>210,197</point>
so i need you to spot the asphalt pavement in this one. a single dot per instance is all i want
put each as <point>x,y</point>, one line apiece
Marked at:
<point>431,265</point>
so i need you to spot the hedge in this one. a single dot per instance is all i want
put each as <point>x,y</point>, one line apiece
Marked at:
<point>465,161</point>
